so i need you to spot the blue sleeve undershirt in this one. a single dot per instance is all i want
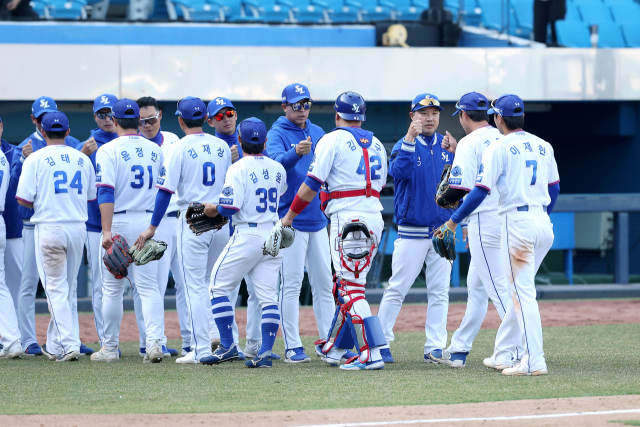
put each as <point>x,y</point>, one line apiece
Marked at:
<point>162,203</point>
<point>226,211</point>
<point>105,195</point>
<point>470,204</point>
<point>554,190</point>
<point>313,184</point>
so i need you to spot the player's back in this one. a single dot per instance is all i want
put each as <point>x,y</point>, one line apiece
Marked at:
<point>130,164</point>
<point>197,167</point>
<point>61,181</point>
<point>528,168</point>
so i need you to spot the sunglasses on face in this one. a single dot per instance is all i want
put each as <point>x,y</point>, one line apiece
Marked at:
<point>150,120</point>
<point>220,116</point>
<point>298,106</point>
<point>104,116</point>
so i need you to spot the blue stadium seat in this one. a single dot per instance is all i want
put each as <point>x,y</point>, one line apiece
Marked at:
<point>243,11</point>
<point>68,9</point>
<point>573,14</point>
<point>277,10</point>
<point>41,7</point>
<point>595,13</point>
<point>313,11</point>
<point>492,14</point>
<point>380,10</point>
<point>346,11</point>
<point>631,32</point>
<point>201,10</point>
<point>523,13</point>
<point>625,12</point>
<point>572,34</point>
<point>471,12</point>
<point>609,35</point>
<point>411,9</point>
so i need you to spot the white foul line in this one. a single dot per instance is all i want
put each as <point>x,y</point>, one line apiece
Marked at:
<point>448,420</point>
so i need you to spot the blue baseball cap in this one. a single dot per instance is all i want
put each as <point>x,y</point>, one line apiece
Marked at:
<point>506,106</point>
<point>126,109</point>
<point>191,108</point>
<point>294,93</point>
<point>218,104</point>
<point>104,101</point>
<point>55,121</point>
<point>42,105</point>
<point>425,100</point>
<point>470,101</point>
<point>253,131</point>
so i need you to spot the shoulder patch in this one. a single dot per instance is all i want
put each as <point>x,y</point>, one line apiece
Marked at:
<point>227,191</point>
<point>456,171</point>
<point>163,171</point>
<point>481,170</point>
<point>98,168</point>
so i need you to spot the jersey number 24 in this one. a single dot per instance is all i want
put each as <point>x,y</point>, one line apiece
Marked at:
<point>76,182</point>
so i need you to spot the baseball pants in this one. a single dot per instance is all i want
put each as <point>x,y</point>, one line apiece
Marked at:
<point>93,245</point>
<point>28,288</point>
<point>9,331</point>
<point>59,249</point>
<point>13,267</point>
<point>254,316</point>
<point>310,250</point>
<point>406,264</point>
<point>145,278</point>
<point>526,239</point>
<point>486,280</point>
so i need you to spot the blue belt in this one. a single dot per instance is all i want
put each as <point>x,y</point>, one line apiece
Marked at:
<point>173,214</point>
<point>255,224</point>
<point>526,208</point>
<point>124,212</point>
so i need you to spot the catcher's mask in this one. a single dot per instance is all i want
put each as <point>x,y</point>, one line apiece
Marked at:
<point>355,244</point>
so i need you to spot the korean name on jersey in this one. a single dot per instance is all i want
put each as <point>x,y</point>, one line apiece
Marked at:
<point>196,169</point>
<point>130,164</point>
<point>58,180</point>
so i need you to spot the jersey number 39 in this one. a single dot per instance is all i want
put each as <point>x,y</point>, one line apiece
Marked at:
<point>272,194</point>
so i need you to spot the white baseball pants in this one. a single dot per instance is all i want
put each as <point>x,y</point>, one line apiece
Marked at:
<point>526,239</point>
<point>254,315</point>
<point>486,280</point>
<point>93,245</point>
<point>145,278</point>
<point>59,249</point>
<point>28,288</point>
<point>13,267</point>
<point>9,331</point>
<point>310,250</point>
<point>408,257</point>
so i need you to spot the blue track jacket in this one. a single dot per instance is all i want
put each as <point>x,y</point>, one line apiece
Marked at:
<point>11,216</point>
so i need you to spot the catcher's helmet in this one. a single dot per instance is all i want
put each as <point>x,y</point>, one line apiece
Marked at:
<point>351,106</point>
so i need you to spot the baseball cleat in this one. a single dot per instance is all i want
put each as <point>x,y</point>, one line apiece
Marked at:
<point>169,352</point>
<point>143,352</point>
<point>386,355</point>
<point>33,350</point>
<point>454,360</point>
<point>357,365</point>
<point>185,351</point>
<point>261,361</point>
<point>319,352</point>
<point>241,355</point>
<point>72,356</point>
<point>106,354</point>
<point>296,355</point>
<point>221,355</point>
<point>440,356</point>
<point>490,362</point>
<point>520,370</point>
<point>51,356</point>
<point>252,350</point>
<point>348,354</point>
<point>427,359</point>
<point>85,351</point>
<point>215,342</point>
<point>189,359</point>
<point>14,351</point>
<point>334,356</point>
<point>154,353</point>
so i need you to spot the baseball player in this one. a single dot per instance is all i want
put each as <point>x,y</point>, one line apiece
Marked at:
<point>57,181</point>
<point>223,117</point>
<point>9,332</point>
<point>29,279</point>
<point>126,171</point>
<point>486,278</point>
<point>150,120</point>
<point>291,142</point>
<point>195,168</point>
<point>251,193</point>
<point>416,164</point>
<point>352,164</point>
<point>523,170</point>
<point>104,133</point>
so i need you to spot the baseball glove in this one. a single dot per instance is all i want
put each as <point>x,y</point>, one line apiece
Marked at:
<point>444,186</point>
<point>445,244</point>
<point>151,251</point>
<point>117,257</point>
<point>280,237</point>
<point>200,223</point>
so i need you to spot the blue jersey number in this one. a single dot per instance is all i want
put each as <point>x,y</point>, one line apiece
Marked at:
<point>533,163</point>
<point>272,194</point>
<point>208,174</point>
<point>139,178</point>
<point>76,182</point>
<point>374,163</point>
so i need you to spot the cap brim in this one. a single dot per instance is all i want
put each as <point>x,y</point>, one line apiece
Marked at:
<point>46,110</point>
<point>491,111</point>
<point>457,111</point>
<point>298,98</point>
<point>420,107</point>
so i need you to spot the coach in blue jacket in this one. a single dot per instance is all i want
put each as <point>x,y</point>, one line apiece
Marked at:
<point>416,164</point>
<point>292,141</point>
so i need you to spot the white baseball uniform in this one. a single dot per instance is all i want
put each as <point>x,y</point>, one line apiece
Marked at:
<point>9,331</point>
<point>129,165</point>
<point>59,181</point>
<point>195,168</point>
<point>486,278</point>
<point>521,166</point>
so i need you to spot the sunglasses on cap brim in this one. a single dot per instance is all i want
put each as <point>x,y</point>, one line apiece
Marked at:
<point>429,102</point>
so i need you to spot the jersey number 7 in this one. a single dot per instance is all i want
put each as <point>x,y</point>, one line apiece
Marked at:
<point>533,163</point>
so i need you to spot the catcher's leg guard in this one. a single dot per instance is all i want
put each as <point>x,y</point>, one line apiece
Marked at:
<point>373,332</point>
<point>367,333</point>
<point>336,330</point>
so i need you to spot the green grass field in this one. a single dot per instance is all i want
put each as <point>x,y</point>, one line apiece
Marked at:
<point>582,360</point>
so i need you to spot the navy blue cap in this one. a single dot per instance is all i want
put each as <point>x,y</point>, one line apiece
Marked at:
<point>217,105</point>
<point>253,131</point>
<point>55,121</point>
<point>425,100</point>
<point>126,109</point>
<point>104,101</point>
<point>294,93</point>
<point>506,106</point>
<point>191,108</point>
<point>470,101</point>
<point>42,105</point>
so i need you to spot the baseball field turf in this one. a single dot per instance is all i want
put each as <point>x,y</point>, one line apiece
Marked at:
<point>583,361</point>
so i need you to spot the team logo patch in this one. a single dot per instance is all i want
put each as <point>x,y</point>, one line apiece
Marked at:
<point>98,168</point>
<point>226,201</point>
<point>98,179</point>
<point>481,170</point>
<point>364,141</point>
<point>163,171</point>
<point>227,191</point>
<point>455,181</point>
<point>479,179</point>
<point>160,181</point>
<point>456,171</point>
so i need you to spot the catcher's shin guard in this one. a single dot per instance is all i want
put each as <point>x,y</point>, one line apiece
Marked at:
<point>336,331</point>
<point>368,334</point>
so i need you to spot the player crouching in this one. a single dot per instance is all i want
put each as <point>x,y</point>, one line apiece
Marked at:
<point>250,195</point>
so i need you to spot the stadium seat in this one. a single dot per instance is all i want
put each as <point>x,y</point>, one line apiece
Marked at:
<point>523,13</point>
<point>313,11</point>
<point>572,34</point>
<point>68,9</point>
<point>346,11</point>
<point>573,14</point>
<point>275,10</point>
<point>41,7</point>
<point>468,9</point>
<point>200,10</point>
<point>609,35</point>
<point>411,9</point>
<point>243,11</point>
<point>631,32</point>
<point>380,10</point>
<point>626,12</point>
<point>595,13</point>
<point>492,14</point>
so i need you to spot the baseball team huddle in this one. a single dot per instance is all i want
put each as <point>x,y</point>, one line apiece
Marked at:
<point>255,204</point>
